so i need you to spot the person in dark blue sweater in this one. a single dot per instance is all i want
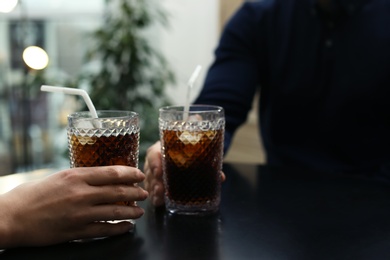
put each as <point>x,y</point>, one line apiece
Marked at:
<point>322,68</point>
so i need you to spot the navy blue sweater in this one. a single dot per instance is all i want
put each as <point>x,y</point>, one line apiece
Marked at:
<point>324,81</point>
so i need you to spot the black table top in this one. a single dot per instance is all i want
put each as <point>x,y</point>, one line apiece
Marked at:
<point>265,213</point>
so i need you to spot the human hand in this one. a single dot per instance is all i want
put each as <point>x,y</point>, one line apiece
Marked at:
<point>154,174</point>
<point>71,204</point>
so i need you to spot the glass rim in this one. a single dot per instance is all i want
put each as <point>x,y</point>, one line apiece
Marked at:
<point>180,108</point>
<point>103,114</point>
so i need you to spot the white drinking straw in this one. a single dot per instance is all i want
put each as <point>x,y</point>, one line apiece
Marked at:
<point>73,91</point>
<point>190,84</point>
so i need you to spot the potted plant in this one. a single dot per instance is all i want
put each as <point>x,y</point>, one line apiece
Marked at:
<point>131,74</point>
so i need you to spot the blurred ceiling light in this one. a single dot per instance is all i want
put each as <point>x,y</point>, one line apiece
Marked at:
<point>35,57</point>
<point>7,6</point>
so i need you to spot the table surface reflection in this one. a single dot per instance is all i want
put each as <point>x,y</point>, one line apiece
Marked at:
<point>265,213</point>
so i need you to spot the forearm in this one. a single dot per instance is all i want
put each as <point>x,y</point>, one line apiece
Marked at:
<point>234,94</point>
<point>234,76</point>
<point>6,233</point>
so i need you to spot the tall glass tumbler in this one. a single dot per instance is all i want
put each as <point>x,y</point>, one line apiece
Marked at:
<point>110,139</point>
<point>192,156</point>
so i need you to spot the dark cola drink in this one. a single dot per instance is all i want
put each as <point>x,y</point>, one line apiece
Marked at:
<point>192,164</point>
<point>103,151</point>
<point>85,151</point>
<point>111,139</point>
<point>193,168</point>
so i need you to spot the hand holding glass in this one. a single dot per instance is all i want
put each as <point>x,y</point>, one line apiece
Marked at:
<point>110,139</point>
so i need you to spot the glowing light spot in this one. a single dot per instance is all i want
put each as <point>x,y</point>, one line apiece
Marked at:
<point>6,6</point>
<point>35,57</point>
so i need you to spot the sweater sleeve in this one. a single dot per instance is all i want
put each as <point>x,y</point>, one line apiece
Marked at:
<point>232,79</point>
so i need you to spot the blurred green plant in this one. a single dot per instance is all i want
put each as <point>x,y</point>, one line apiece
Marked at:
<point>126,71</point>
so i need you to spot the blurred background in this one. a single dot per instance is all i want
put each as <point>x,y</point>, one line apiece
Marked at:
<point>140,54</point>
